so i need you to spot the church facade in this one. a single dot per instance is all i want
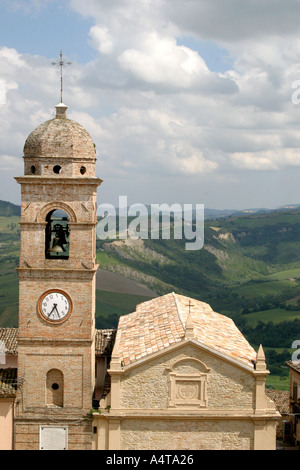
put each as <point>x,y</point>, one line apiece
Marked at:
<point>184,377</point>
<point>175,374</point>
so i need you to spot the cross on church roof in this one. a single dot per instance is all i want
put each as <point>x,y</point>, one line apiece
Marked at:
<point>190,305</point>
<point>61,63</point>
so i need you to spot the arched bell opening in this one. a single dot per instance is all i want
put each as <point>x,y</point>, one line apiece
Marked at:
<point>55,388</point>
<point>57,235</point>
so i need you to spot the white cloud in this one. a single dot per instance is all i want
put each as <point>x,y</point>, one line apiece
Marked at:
<point>161,60</point>
<point>101,39</point>
<point>11,57</point>
<point>5,87</point>
<point>9,162</point>
<point>194,165</point>
<point>234,21</point>
<point>150,102</point>
<point>2,92</point>
<point>268,160</point>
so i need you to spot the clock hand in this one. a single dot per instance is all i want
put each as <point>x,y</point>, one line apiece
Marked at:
<point>54,306</point>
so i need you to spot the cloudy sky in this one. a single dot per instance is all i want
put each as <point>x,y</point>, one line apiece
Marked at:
<point>188,101</point>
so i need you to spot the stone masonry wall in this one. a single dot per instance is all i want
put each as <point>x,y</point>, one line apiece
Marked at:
<point>147,386</point>
<point>157,425</point>
<point>186,435</point>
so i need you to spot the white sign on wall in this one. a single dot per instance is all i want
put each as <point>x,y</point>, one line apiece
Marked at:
<point>53,438</point>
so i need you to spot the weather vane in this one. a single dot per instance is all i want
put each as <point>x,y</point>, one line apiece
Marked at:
<point>61,63</point>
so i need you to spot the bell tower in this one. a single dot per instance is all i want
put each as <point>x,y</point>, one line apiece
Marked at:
<point>57,272</point>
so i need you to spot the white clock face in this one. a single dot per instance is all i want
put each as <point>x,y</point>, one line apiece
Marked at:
<point>54,306</point>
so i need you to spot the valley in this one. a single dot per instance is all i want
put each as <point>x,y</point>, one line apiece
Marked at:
<point>248,269</point>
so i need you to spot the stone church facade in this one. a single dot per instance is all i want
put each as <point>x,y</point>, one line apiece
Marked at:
<point>175,374</point>
<point>184,378</point>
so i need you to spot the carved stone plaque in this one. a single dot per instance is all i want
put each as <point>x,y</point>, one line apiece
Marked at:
<point>187,390</point>
<point>187,380</point>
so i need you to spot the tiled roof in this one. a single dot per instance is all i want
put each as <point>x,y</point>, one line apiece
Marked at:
<point>9,336</point>
<point>164,321</point>
<point>295,365</point>
<point>281,398</point>
<point>8,383</point>
<point>104,342</point>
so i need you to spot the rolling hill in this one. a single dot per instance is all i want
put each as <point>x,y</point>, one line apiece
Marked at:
<point>248,269</point>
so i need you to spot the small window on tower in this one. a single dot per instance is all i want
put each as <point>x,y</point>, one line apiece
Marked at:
<point>57,169</point>
<point>54,388</point>
<point>33,169</point>
<point>57,235</point>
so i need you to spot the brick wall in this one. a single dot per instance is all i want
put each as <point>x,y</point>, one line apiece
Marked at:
<point>68,347</point>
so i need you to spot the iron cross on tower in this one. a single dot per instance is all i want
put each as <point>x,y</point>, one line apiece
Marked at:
<point>61,63</point>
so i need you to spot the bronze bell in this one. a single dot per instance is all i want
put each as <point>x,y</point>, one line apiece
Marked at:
<point>57,248</point>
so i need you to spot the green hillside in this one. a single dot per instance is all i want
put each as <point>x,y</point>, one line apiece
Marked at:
<point>7,209</point>
<point>9,259</point>
<point>248,269</point>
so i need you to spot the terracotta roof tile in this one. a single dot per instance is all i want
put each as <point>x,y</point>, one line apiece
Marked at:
<point>104,342</point>
<point>161,322</point>
<point>281,398</point>
<point>295,365</point>
<point>9,336</point>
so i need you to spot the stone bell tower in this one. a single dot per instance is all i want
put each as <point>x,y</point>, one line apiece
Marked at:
<point>57,273</point>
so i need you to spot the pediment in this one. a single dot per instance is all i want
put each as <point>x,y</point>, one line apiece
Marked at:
<point>196,344</point>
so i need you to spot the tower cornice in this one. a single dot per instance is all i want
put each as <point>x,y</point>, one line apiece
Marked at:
<point>59,180</point>
<point>45,271</point>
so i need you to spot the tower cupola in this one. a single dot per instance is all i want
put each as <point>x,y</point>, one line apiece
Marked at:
<point>60,146</point>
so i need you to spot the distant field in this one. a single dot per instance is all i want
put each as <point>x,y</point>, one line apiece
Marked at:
<point>248,262</point>
<point>9,255</point>
<point>111,305</point>
<point>277,382</point>
<point>265,287</point>
<point>256,221</point>
<point>9,224</point>
<point>106,259</point>
<point>292,273</point>
<point>9,300</point>
<point>275,315</point>
<point>116,295</point>
<point>112,282</point>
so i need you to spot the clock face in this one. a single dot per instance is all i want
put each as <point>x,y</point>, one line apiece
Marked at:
<point>54,306</point>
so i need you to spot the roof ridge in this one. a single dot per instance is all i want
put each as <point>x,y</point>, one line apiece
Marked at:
<point>178,310</point>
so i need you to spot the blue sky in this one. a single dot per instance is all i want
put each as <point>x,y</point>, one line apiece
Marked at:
<point>216,58</point>
<point>187,102</point>
<point>46,30</point>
